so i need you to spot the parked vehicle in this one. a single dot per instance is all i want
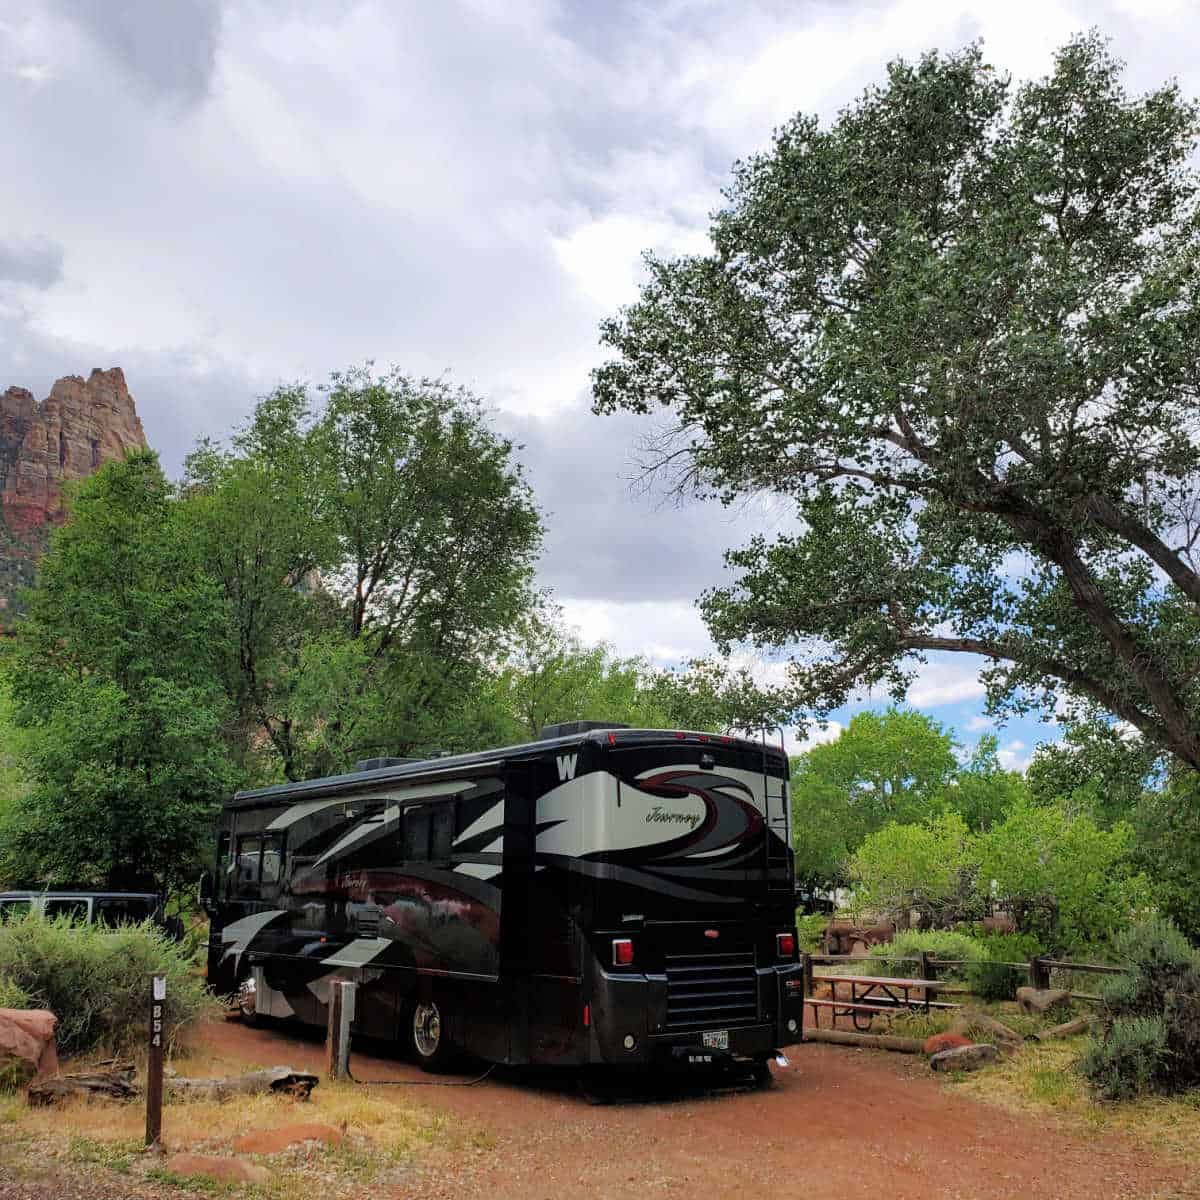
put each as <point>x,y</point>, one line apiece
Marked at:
<point>601,895</point>
<point>103,908</point>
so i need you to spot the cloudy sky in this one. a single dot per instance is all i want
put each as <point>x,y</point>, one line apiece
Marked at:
<point>218,195</point>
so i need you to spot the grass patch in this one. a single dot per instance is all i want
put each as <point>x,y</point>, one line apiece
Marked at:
<point>384,1132</point>
<point>117,1154</point>
<point>1043,1078</point>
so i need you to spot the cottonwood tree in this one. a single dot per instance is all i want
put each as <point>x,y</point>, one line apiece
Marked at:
<point>116,685</point>
<point>375,553</point>
<point>958,327</point>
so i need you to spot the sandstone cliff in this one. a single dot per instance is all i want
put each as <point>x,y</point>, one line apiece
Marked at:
<point>81,424</point>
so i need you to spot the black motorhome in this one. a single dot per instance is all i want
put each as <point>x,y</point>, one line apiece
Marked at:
<point>601,895</point>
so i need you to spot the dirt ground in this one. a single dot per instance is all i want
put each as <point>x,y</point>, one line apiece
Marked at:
<point>838,1122</point>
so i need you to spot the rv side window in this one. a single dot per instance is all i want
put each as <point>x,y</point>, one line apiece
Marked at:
<point>272,858</point>
<point>416,833</point>
<point>249,851</point>
<point>259,859</point>
<point>14,908</point>
<point>441,832</point>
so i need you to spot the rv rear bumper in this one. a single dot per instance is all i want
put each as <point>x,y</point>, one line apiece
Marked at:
<point>630,1023</point>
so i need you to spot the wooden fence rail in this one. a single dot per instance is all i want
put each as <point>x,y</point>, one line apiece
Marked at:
<point>1038,968</point>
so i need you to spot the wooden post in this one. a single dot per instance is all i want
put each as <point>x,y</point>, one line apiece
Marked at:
<point>929,968</point>
<point>1039,973</point>
<point>154,1060</point>
<point>337,1038</point>
<point>806,968</point>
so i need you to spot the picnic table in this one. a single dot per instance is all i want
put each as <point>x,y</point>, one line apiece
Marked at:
<point>871,994</point>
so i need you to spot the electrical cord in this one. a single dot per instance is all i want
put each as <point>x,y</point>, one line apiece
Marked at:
<point>423,1082</point>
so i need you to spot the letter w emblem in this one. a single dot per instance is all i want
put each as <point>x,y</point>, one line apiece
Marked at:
<point>566,766</point>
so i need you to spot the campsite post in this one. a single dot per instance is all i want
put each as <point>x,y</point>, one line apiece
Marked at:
<point>154,1061</point>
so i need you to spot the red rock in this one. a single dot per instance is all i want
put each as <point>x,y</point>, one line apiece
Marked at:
<point>945,1041</point>
<point>27,1044</point>
<point>272,1141</point>
<point>79,426</point>
<point>227,1170</point>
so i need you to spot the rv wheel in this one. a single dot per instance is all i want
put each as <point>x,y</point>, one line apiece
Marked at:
<point>430,1043</point>
<point>244,1000</point>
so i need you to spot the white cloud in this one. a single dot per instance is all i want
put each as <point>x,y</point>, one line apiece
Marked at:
<point>604,257</point>
<point>946,681</point>
<point>1014,756</point>
<point>978,724</point>
<point>814,737</point>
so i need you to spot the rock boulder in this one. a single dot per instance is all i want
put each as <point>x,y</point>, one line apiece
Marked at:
<point>27,1044</point>
<point>211,1166</point>
<point>1041,1000</point>
<point>964,1058</point>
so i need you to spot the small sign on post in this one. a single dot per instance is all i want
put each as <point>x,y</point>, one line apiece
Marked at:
<point>154,1060</point>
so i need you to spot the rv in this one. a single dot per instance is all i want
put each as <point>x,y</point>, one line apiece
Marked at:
<point>602,895</point>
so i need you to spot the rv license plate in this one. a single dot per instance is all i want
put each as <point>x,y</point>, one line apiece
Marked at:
<point>715,1039</point>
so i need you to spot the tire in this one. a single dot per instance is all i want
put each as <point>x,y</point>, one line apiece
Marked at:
<point>428,1041</point>
<point>760,1073</point>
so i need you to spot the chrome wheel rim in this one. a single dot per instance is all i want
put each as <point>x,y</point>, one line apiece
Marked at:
<point>427,1029</point>
<point>247,997</point>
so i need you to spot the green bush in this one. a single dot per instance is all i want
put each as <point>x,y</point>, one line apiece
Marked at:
<point>989,979</point>
<point>1149,1034</point>
<point>97,980</point>
<point>940,943</point>
<point>12,995</point>
<point>1127,1061</point>
<point>809,930</point>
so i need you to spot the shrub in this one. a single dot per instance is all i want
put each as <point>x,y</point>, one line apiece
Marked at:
<point>989,979</point>
<point>1160,992</point>
<point>97,980</point>
<point>940,943</point>
<point>12,995</point>
<point>809,929</point>
<point>1127,1061</point>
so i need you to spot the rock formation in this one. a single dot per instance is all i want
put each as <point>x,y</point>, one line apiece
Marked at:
<point>79,426</point>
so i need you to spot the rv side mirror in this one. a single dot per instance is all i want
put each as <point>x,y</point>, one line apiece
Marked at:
<point>205,892</point>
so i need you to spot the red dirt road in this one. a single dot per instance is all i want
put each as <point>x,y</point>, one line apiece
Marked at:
<point>839,1123</point>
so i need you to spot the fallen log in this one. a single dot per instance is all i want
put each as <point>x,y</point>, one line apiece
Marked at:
<point>284,1080</point>
<point>1010,1039</point>
<point>112,1079</point>
<point>1068,1029</point>
<point>877,1041</point>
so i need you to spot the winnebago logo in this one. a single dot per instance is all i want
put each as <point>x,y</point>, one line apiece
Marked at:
<point>664,816</point>
<point>566,767</point>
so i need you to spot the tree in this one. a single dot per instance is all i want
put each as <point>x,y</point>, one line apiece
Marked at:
<point>376,557</point>
<point>926,867</point>
<point>1097,768</point>
<point>958,329</point>
<point>553,675</point>
<point>883,767</point>
<point>115,681</point>
<point>1167,849</point>
<point>1062,876</point>
<point>982,791</point>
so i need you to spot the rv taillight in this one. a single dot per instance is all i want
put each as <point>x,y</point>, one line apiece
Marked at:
<point>622,952</point>
<point>785,943</point>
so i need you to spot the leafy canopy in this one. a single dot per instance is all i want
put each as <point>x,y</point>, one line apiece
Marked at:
<point>115,682</point>
<point>896,766</point>
<point>376,556</point>
<point>957,328</point>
